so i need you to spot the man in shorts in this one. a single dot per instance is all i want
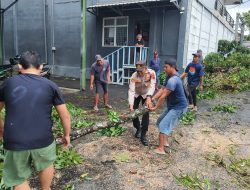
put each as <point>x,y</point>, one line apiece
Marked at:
<point>27,129</point>
<point>100,76</point>
<point>173,92</point>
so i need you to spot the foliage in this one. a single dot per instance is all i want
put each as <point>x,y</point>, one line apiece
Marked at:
<point>247,37</point>
<point>123,157</point>
<point>188,118</point>
<point>193,182</point>
<point>206,95</point>
<point>67,158</point>
<point>162,78</point>
<point>112,131</point>
<point>78,119</point>
<point>230,73</point>
<point>216,62</point>
<point>225,108</point>
<point>69,187</point>
<point>212,61</point>
<point>239,169</point>
<point>246,17</point>
<point>241,166</point>
<point>225,46</point>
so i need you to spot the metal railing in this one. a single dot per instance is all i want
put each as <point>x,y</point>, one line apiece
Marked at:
<point>122,62</point>
<point>223,12</point>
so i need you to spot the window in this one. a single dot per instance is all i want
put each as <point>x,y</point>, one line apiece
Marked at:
<point>115,31</point>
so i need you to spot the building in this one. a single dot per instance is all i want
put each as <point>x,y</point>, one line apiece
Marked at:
<point>175,28</point>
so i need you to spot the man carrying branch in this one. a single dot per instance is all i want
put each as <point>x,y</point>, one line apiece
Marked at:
<point>141,88</point>
<point>173,92</point>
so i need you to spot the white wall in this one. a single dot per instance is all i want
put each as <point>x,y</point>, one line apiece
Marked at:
<point>206,29</point>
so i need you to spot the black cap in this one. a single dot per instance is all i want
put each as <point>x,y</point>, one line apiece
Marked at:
<point>196,54</point>
<point>172,63</point>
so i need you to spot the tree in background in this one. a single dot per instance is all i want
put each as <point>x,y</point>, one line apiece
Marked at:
<point>246,17</point>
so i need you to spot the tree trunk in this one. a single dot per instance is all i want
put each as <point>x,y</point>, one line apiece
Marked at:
<point>106,124</point>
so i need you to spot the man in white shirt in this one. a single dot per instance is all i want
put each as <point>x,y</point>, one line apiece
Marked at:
<point>141,87</point>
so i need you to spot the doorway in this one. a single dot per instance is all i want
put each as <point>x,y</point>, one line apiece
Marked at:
<point>142,27</point>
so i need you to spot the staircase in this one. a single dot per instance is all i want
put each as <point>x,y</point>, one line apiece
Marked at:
<point>122,62</point>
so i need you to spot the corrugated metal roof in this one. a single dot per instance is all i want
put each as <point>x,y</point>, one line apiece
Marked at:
<point>108,3</point>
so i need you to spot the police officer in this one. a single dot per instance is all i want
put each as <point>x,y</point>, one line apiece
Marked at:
<point>141,87</point>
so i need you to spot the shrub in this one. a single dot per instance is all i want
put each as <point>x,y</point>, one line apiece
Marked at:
<point>225,46</point>
<point>213,60</point>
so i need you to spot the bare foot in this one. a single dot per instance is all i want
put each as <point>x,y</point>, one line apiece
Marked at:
<point>159,151</point>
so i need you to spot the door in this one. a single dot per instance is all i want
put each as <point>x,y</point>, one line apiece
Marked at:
<point>142,27</point>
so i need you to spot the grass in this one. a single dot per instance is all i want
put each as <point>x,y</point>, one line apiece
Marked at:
<point>194,182</point>
<point>122,157</point>
<point>188,118</point>
<point>238,168</point>
<point>226,108</point>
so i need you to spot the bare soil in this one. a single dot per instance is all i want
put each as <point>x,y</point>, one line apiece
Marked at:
<point>212,132</point>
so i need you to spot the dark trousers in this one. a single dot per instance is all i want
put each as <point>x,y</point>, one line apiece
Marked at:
<point>145,118</point>
<point>192,95</point>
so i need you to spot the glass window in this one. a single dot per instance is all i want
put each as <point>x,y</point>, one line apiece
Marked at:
<point>115,31</point>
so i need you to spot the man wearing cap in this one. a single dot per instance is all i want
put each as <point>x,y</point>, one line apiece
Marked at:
<point>195,75</point>
<point>141,88</point>
<point>173,93</point>
<point>100,76</point>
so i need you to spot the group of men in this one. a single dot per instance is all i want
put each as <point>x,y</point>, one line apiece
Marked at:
<point>28,99</point>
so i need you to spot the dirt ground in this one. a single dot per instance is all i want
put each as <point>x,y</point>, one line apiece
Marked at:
<point>123,163</point>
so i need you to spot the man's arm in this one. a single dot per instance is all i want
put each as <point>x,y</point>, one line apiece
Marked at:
<point>151,89</point>
<point>201,82</point>
<point>66,123</point>
<point>131,92</point>
<point>161,100</point>
<point>1,121</point>
<point>92,77</point>
<point>158,94</point>
<point>109,79</point>
<point>183,75</point>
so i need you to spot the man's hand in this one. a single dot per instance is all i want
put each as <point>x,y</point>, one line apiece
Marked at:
<point>148,102</point>
<point>201,87</point>
<point>91,86</point>
<point>66,141</point>
<point>131,108</point>
<point>109,81</point>
<point>153,108</point>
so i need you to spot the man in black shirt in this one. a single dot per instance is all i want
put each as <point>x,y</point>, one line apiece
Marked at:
<point>27,130</point>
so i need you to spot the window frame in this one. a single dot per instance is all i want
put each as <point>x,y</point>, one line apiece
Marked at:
<point>115,27</point>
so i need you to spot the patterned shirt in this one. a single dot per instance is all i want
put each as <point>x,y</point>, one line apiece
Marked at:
<point>141,86</point>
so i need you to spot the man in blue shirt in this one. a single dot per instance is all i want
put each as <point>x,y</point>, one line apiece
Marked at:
<point>195,74</point>
<point>176,104</point>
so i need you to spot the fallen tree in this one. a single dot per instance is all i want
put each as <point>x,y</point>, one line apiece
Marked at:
<point>75,134</point>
